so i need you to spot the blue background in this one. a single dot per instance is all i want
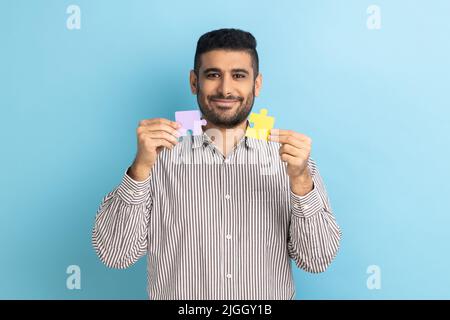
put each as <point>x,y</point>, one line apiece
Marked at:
<point>375,103</point>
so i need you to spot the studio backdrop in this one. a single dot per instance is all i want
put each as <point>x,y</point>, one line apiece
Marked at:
<point>368,81</point>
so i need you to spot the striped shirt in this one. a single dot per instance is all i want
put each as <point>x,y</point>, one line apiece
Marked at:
<point>216,227</point>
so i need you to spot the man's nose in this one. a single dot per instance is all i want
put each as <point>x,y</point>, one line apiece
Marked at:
<point>226,86</point>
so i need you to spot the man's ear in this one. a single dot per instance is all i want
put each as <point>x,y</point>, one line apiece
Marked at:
<point>193,82</point>
<point>258,84</point>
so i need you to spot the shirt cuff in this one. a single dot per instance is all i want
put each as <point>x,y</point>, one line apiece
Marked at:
<point>132,191</point>
<point>307,205</point>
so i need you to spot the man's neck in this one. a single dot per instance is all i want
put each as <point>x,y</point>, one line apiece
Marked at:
<point>225,139</point>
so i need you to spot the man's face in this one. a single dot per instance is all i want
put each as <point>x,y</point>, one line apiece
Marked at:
<point>225,87</point>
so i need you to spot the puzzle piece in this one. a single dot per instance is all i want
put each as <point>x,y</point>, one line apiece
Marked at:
<point>261,125</point>
<point>190,120</point>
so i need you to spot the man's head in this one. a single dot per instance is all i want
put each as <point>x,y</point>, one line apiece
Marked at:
<point>226,76</point>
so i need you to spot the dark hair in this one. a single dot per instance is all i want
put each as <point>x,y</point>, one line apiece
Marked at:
<point>227,39</point>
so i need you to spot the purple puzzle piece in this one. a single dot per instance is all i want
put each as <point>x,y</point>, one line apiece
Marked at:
<point>190,120</point>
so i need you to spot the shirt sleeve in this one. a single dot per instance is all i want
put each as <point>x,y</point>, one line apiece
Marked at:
<point>314,235</point>
<point>120,232</point>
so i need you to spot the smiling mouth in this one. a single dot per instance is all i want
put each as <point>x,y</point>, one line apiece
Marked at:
<point>224,103</point>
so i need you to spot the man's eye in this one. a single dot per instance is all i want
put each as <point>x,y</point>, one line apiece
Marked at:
<point>213,75</point>
<point>239,76</point>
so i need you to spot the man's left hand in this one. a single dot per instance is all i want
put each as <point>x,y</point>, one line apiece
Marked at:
<point>295,151</point>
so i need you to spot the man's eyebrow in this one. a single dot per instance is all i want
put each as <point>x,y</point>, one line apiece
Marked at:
<point>211,70</point>
<point>241,70</point>
<point>232,70</point>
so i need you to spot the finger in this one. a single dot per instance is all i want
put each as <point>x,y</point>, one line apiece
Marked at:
<point>289,140</point>
<point>155,139</point>
<point>159,127</point>
<point>291,150</point>
<point>163,143</point>
<point>163,135</point>
<point>173,124</point>
<point>289,159</point>
<point>281,132</point>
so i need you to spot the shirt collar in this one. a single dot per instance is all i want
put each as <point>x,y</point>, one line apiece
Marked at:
<point>204,140</point>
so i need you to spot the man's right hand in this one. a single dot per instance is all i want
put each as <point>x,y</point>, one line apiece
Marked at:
<point>152,136</point>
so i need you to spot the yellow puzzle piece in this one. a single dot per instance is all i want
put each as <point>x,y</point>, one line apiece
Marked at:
<point>261,125</point>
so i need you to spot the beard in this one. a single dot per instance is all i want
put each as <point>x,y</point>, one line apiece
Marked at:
<point>219,119</point>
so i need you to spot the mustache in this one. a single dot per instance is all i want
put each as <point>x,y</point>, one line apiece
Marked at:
<point>222,97</point>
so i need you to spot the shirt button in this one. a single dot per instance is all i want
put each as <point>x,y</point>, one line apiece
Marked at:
<point>306,207</point>
<point>229,276</point>
<point>130,191</point>
<point>228,236</point>
<point>296,206</point>
<point>227,160</point>
<point>227,196</point>
<point>140,193</point>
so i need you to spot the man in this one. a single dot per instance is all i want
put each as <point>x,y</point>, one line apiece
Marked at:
<point>219,215</point>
